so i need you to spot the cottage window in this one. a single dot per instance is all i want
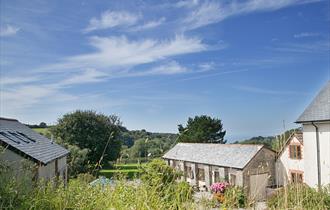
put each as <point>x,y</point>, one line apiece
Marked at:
<point>189,172</point>
<point>232,179</point>
<point>201,174</point>
<point>296,177</point>
<point>216,176</point>
<point>295,151</point>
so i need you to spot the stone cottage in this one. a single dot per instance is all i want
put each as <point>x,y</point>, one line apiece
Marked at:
<point>249,166</point>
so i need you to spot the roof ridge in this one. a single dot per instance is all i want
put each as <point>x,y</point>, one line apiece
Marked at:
<point>8,119</point>
<point>222,144</point>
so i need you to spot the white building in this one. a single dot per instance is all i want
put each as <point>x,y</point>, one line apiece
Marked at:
<point>290,160</point>
<point>315,122</point>
<point>28,153</point>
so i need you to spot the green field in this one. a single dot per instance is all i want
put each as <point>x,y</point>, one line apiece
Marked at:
<point>42,131</point>
<point>127,170</point>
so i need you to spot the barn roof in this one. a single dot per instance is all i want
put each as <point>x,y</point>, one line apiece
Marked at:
<point>226,155</point>
<point>319,109</point>
<point>24,140</point>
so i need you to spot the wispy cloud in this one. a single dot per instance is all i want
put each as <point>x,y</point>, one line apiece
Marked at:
<point>149,25</point>
<point>8,30</point>
<point>88,76</point>
<point>186,3</point>
<point>114,52</point>
<point>169,68</point>
<point>110,19</point>
<point>307,47</point>
<point>17,80</point>
<point>206,66</point>
<point>209,12</point>
<point>306,34</point>
<point>268,91</point>
<point>213,74</point>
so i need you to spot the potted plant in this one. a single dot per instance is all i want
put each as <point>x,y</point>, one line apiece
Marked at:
<point>218,190</point>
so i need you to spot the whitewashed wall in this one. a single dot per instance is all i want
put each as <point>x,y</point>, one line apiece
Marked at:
<point>19,166</point>
<point>284,163</point>
<point>47,172</point>
<point>310,157</point>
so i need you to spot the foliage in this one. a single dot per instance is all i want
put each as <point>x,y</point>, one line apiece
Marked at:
<point>234,197</point>
<point>274,142</point>
<point>267,141</point>
<point>81,196</point>
<point>10,182</point>
<point>146,144</point>
<point>86,177</point>
<point>158,173</point>
<point>77,160</point>
<point>300,196</point>
<point>202,129</point>
<point>89,130</point>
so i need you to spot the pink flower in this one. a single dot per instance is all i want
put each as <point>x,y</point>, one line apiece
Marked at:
<point>219,187</point>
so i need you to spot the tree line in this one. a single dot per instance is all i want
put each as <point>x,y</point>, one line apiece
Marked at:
<point>96,140</point>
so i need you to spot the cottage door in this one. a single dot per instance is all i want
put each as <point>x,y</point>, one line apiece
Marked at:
<point>258,184</point>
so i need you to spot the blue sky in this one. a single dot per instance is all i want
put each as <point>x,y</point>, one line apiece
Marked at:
<point>250,63</point>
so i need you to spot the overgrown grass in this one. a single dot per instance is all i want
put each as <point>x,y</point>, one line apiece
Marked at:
<point>158,190</point>
<point>300,196</point>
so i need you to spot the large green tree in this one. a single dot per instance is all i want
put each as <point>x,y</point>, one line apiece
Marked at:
<point>98,133</point>
<point>202,129</point>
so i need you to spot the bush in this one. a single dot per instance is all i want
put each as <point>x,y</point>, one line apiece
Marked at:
<point>300,196</point>
<point>158,173</point>
<point>234,197</point>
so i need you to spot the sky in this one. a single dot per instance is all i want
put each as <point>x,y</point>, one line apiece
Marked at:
<point>254,64</point>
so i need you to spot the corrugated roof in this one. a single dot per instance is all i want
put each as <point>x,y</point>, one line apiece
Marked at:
<point>319,109</point>
<point>29,142</point>
<point>227,155</point>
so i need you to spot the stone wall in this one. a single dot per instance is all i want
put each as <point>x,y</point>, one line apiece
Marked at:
<point>262,163</point>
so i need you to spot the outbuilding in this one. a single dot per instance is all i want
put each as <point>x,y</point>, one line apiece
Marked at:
<point>28,153</point>
<point>249,166</point>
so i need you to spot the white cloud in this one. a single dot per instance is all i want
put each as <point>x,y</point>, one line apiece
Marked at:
<point>305,34</point>
<point>170,68</point>
<point>8,30</point>
<point>186,3</point>
<point>118,53</point>
<point>149,25</point>
<point>110,19</point>
<point>88,76</point>
<point>17,80</point>
<point>210,12</point>
<point>267,91</point>
<point>206,66</point>
<point>307,47</point>
<point>27,95</point>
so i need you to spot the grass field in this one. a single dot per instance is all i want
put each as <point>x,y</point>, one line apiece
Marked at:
<point>127,170</point>
<point>43,131</point>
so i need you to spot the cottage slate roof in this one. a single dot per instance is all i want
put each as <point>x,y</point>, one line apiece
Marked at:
<point>226,155</point>
<point>319,109</point>
<point>30,143</point>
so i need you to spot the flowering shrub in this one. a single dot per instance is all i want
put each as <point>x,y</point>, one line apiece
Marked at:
<point>219,187</point>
